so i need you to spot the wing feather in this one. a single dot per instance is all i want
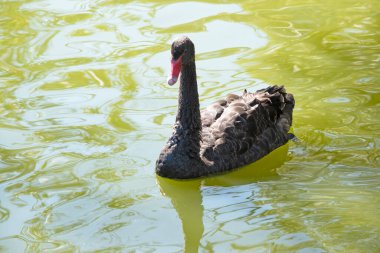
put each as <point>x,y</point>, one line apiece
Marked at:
<point>231,126</point>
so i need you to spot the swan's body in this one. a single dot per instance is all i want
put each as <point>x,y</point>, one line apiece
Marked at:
<point>229,133</point>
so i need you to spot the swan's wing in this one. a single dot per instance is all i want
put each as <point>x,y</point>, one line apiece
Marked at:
<point>215,110</point>
<point>212,112</point>
<point>243,120</point>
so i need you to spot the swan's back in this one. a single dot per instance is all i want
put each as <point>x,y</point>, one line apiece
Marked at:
<point>241,129</point>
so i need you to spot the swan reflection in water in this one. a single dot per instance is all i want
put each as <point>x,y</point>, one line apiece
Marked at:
<point>186,195</point>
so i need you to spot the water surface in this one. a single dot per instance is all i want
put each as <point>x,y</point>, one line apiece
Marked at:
<point>84,112</point>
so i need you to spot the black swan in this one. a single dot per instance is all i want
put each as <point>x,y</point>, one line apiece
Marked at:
<point>229,133</point>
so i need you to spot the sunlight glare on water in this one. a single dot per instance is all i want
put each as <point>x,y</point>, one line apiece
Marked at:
<point>85,111</point>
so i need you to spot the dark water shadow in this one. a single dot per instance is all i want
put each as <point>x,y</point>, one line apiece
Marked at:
<point>186,195</point>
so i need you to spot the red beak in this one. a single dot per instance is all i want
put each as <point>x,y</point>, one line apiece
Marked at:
<point>174,70</point>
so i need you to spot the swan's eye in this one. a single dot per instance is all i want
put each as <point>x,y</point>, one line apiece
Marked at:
<point>176,54</point>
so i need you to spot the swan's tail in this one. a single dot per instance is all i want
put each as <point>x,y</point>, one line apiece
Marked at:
<point>278,104</point>
<point>292,137</point>
<point>284,103</point>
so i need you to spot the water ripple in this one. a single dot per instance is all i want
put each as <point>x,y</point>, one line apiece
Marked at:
<point>85,111</point>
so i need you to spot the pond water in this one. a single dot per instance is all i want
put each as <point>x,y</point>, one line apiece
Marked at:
<point>85,111</point>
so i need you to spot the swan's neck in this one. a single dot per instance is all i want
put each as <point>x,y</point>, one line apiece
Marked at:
<point>188,121</point>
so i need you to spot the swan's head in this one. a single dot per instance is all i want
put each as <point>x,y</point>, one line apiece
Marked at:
<point>182,54</point>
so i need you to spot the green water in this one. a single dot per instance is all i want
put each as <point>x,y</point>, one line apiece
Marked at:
<point>84,112</point>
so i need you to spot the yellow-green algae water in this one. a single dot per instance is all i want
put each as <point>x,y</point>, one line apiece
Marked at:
<point>84,112</point>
